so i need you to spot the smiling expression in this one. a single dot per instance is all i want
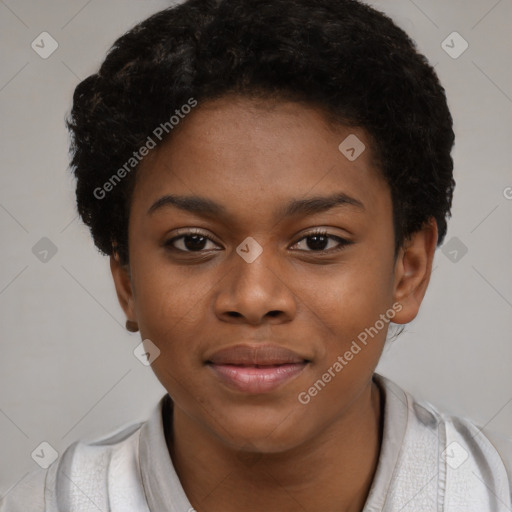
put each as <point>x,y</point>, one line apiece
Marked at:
<point>267,177</point>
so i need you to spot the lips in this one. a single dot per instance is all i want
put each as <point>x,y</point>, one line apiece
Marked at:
<point>256,369</point>
<point>255,355</point>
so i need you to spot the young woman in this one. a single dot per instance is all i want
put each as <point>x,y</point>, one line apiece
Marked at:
<point>270,180</point>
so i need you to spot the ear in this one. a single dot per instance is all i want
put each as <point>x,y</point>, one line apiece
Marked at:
<point>413,268</point>
<point>124,288</point>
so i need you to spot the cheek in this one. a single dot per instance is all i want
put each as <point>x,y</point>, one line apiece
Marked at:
<point>348,299</point>
<point>350,309</point>
<point>171,314</point>
<point>170,308</point>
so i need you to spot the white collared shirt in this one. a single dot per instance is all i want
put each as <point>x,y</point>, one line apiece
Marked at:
<point>428,461</point>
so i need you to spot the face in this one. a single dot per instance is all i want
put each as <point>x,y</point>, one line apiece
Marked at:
<point>247,303</point>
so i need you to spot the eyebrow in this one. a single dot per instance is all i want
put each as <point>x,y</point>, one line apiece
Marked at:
<point>308,206</point>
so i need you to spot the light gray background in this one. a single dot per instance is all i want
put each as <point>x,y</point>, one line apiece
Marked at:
<point>67,367</point>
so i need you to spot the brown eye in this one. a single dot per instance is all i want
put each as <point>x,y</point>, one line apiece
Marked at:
<point>189,242</point>
<point>319,240</point>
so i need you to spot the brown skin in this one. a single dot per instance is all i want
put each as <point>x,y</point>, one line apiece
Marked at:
<point>269,452</point>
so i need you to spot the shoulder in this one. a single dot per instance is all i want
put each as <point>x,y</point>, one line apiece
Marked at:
<point>476,463</point>
<point>461,439</point>
<point>472,468</point>
<point>84,465</point>
<point>449,459</point>
<point>27,494</point>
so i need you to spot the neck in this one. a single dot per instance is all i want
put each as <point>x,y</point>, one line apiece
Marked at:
<point>333,471</point>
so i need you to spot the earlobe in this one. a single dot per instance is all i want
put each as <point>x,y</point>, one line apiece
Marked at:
<point>413,268</point>
<point>123,285</point>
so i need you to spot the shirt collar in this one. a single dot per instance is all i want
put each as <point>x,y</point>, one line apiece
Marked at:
<point>395,412</point>
<point>161,484</point>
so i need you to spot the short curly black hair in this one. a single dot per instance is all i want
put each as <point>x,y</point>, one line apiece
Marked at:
<point>341,56</point>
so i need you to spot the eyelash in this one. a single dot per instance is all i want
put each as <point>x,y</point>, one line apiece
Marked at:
<point>323,233</point>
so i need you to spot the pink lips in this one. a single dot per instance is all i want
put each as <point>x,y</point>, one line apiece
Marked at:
<point>256,368</point>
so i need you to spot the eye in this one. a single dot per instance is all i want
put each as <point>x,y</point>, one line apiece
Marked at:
<point>189,241</point>
<point>318,240</point>
<point>195,241</point>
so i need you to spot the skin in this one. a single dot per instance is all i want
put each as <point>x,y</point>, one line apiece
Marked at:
<point>234,451</point>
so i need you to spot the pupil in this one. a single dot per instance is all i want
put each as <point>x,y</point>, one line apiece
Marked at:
<point>195,245</point>
<point>316,244</point>
<point>197,242</point>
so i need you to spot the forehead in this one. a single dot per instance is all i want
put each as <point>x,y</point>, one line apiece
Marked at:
<point>247,154</point>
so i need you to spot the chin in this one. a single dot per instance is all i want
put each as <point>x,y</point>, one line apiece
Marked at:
<point>263,432</point>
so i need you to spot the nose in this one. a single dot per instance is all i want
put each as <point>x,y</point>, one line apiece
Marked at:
<point>255,292</point>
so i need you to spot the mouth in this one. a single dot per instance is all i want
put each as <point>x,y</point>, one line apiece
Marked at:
<point>256,369</point>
